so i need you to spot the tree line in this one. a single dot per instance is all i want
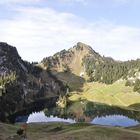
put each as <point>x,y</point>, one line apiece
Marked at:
<point>108,71</point>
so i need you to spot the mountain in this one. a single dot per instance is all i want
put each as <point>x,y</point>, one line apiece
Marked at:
<point>26,87</point>
<point>71,59</point>
<point>82,63</point>
<point>23,86</point>
<point>68,67</point>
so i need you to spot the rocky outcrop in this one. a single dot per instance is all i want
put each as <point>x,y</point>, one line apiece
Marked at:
<point>23,84</point>
<point>71,59</point>
<point>25,87</point>
<point>68,65</point>
<point>82,61</point>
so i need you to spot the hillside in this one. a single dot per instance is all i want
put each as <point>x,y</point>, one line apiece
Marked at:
<point>83,62</point>
<point>23,85</point>
<point>94,77</point>
<point>26,87</point>
<point>62,131</point>
<point>71,59</point>
<point>68,65</point>
<point>116,94</point>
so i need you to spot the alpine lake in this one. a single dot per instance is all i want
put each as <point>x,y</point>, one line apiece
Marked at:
<point>83,111</point>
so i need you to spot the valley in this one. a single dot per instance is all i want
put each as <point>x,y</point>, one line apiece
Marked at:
<point>77,83</point>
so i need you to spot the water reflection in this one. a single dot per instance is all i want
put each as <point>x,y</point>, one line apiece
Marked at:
<point>86,112</point>
<point>41,117</point>
<point>97,114</point>
<point>93,110</point>
<point>115,120</point>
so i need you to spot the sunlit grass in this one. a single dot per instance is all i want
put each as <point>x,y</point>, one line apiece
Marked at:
<point>115,94</point>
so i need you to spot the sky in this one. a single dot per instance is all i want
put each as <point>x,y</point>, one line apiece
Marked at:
<point>40,28</point>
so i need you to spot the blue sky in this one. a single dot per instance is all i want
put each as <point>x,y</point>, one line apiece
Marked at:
<point>40,28</point>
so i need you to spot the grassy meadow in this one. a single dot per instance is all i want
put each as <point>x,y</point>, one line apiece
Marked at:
<point>64,131</point>
<point>116,94</point>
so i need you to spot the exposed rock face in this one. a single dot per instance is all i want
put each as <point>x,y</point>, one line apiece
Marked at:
<point>26,85</point>
<point>84,62</point>
<point>72,59</point>
<point>10,60</point>
<point>69,65</point>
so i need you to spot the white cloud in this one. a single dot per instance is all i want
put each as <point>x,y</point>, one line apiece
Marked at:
<point>19,1</point>
<point>124,2</point>
<point>84,2</point>
<point>38,33</point>
<point>121,1</point>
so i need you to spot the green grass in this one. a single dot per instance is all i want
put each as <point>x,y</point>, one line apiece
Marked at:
<point>74,82</point>
<point>135,106</point>
<point>116,94</point>
<point>78,131</point>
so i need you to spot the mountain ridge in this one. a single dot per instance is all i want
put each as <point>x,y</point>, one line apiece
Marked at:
<point>69,58</point>
<point>24,83</point>
<point>84,62</point>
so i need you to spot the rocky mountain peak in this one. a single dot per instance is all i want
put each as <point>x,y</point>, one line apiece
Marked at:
<point>6,49</point>
<point>82,46</point>
<point>10,60</point>
<point>86,48</point>
<point>71,59</point>
<point>23,84</point>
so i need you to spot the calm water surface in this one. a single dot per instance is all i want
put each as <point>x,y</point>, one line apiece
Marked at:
<point>40,117</point>
<point>91,113</point>
<point>113,120</point>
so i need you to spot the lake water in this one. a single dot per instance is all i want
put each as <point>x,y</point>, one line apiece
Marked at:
<point>40,117</point>
<point>88,112</point>
<point>113,120</point>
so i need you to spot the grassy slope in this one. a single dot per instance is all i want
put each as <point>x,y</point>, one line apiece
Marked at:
<point>115,94</point>
<point>75,82</point>
<point>61,131</point>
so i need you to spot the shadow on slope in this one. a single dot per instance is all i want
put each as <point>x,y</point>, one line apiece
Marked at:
<point>74,82</point>
<point>135,106</point>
